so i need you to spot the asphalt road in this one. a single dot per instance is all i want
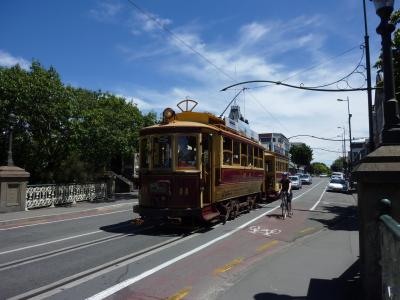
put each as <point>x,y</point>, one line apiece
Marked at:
<point>103,254</point>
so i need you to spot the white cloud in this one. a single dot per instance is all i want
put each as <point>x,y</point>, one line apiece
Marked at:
<point>147,23</point>
<point>8,60</point>
<point>269,109</point>
<point>251,33</point>
<point>106,11</point>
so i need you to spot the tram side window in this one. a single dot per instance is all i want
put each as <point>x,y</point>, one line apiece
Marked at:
<point>260,157</point>
<point>268,166</point>
<point>144,153</point>
<point>162,152</point>
<point>236,153</point>
<point>243,156</point>
<point>258,153</point>
<point>227,152</point>
<point>187,152</point>
<point>250,156</point>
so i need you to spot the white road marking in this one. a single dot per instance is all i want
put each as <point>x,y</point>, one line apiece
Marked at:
<point>57,221</point>
<point>50,242</point>
<point>71,212</point>
<point>99,270</point>
<point>263,231</point>
<point>113,289</point>
<point>315,205</point>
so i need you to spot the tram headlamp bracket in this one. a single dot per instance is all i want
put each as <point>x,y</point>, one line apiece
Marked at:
<point>168,115</point>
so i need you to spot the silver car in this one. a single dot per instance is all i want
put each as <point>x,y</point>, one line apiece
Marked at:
<point>338,185</point>
<point>296,182</point>
<point>306,179</point>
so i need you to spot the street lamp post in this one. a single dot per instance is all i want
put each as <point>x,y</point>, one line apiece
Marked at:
<point>391,128</point>
<point>371,144</point>
<point>12,120</point>
<point>343,146</point>
<point>351,148</point>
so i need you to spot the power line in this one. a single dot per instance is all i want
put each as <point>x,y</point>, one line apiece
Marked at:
<point>268,112</point>
<point>177,38</point>
<point>311,68</point>
<point>322,149</point>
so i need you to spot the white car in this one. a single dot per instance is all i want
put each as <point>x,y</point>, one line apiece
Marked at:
<point>306,179</point>
<point>338,174</point>
<point>338,185</point>
<point>296,182</point>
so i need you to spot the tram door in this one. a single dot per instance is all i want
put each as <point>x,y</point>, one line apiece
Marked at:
<point>206,156</point>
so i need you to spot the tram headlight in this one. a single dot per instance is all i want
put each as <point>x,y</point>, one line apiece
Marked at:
<point>168,114</point>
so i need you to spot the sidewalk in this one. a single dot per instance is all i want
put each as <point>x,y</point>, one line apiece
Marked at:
<point>121,201</point>
<point>324,265</point>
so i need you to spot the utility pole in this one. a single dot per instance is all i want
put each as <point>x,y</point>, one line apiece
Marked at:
<point>371,143</point>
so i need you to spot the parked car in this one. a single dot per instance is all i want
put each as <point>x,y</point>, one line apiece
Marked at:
<point>338,185</point>
<point>306,179</point>
<point>296,182</point>
<point>338,174</point>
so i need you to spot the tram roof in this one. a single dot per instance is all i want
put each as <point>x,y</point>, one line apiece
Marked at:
<point>179,126</point>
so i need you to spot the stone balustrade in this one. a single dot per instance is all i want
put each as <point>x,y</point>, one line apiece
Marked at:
<point>51,195</point>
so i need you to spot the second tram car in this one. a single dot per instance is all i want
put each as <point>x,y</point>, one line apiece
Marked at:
<point>275,165</point>
<point>193,167</point>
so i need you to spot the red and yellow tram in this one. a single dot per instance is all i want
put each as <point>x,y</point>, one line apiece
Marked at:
<point>194,167</point>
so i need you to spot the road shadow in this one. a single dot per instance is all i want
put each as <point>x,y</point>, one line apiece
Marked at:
<point>344,218</point>
<point>275,216</point>
<point>152,229</point>
<point>346,287</point>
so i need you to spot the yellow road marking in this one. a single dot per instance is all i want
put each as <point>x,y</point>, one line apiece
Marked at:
<point>307,230</point>
<point>267,246</point>
<point>228,266</point>
<point>180,294</point>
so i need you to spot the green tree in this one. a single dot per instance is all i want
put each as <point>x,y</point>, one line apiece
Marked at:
<point>63,133</point>
<point>301,154</point>
<point>319,168</point>
<point>339,165</point>
<point>38,98</point>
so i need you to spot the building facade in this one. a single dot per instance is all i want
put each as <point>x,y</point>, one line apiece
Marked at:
<point>275,142</point>
<point>359,150</point>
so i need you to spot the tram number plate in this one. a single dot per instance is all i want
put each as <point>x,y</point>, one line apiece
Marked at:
<point>263,231</point>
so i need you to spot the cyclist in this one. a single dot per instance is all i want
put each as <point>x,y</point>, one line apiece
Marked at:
<point>286,186</point>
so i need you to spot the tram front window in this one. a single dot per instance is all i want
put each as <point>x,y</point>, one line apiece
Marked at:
<point>187,152</point>
<point>162,152</point>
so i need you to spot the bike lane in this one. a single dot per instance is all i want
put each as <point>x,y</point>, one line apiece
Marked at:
<point>204,274</point>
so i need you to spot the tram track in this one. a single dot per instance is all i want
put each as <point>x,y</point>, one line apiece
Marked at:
<point>76,279</point>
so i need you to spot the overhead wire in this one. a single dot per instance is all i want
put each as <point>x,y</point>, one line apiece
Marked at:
<point>180,40</point>
<point>187,45</point>
<point>310,68</point>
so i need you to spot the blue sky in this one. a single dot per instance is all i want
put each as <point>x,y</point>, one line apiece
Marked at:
<point>112,46</point>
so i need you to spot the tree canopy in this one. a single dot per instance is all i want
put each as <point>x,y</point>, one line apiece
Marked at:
<point>301,154</point>
<point>339,165</point>
<point>63,133</point>
<point>319,168</point>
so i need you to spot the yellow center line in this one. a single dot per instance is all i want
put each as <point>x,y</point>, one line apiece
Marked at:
<point>307,230</point>
<point>267,245</point>
<point>180,294</point>
<point>228,266</point>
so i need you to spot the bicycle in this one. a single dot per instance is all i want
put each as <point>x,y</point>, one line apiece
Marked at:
<point>285,205</point>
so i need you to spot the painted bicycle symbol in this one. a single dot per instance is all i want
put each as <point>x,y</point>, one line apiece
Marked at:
<point>264,231</point>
